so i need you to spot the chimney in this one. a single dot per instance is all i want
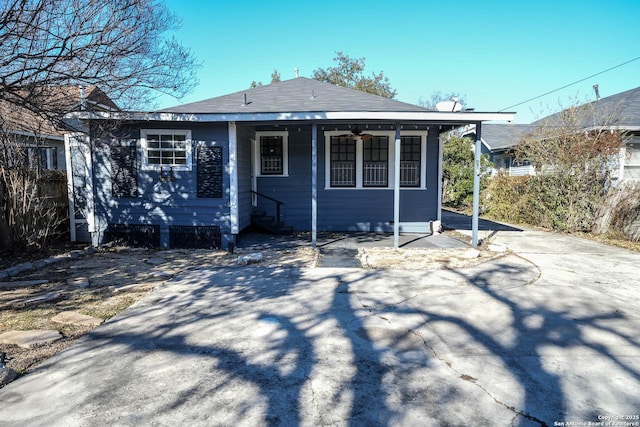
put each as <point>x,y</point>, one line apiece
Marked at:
<point>295,70</point>
<point>83,101</point>
<point>595,88</point>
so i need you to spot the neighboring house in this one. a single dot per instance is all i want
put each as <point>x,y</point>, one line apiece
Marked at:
<point>498,141</point>
<point>44,135</point>
<point>310,155</point>
<point>621,109</point>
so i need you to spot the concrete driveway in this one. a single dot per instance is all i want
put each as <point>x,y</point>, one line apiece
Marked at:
<point>550,334</point>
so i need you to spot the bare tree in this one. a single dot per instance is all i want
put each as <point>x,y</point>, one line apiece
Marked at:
<point>33,205</point>
<point>574,152</point>
<point>121,46</point>
<point>118,50</point>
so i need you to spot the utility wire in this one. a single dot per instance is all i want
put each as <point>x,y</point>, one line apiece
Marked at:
<point>570,84</point>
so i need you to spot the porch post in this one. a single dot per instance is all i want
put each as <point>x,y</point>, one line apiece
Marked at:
<point>314,184</point>
<point>70,190</point>
<point>440,172</point>
<point>396,191</point>
<point>476,186</point>
<point>233,179</point>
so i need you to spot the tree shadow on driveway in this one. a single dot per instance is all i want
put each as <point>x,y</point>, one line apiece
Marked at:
<point>266,346</point>
<point>547,351</point>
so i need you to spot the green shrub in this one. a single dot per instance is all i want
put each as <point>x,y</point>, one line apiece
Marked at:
<point>457,172</point>
<point>558,202</point>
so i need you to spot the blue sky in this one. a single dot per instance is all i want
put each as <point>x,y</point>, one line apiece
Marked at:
<point>495,53</point>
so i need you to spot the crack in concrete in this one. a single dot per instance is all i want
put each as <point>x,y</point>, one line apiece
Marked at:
<point>465,377</point>
<point>307,375</point>
<point>538,269</point>
<point>474,381</point>
<point>461,375</point>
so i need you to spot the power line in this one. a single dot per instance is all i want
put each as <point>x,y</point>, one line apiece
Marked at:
<point>570,84</point>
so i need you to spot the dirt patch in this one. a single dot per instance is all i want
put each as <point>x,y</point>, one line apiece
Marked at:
<point>117,277</point>
<point>423,259</point>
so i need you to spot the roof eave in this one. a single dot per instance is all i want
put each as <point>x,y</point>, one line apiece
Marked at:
<point>422,116</point>
<point>627,128</point>
<point>35,134</point>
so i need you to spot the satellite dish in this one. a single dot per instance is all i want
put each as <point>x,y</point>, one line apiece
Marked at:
<point>448,106</point>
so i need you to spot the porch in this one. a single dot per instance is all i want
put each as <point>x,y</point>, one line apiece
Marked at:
<point>255,241</point>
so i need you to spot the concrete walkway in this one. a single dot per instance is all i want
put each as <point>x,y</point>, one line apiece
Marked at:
<point>550,334</point>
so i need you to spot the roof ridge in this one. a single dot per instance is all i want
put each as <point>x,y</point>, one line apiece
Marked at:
<point>299,94</point>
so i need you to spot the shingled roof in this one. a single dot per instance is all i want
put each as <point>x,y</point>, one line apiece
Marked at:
<point>499,137</point>
<point>296,95</point>
<point>623,107</point>
<point>57,102</point>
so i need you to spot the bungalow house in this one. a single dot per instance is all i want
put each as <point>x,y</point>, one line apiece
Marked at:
<point>620,112</point>
<point>298,155</point>
<point>43,133</point>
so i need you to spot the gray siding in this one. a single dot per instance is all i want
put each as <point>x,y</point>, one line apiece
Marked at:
<point>163,203</point>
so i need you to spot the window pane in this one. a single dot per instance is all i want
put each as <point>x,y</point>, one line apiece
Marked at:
<point>343,174</point>
<point>167,149</point>
<point>271,158</point>
<point>375,167</point>
<point>343,161</point>
<point>410,151</point>
<point>375,174</point>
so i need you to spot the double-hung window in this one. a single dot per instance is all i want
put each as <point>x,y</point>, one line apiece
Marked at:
<point>343,161</point>
<point>631,161</point>
<point>367,160</point>
<point>410,156</point>
<point>162,148</point>
<point>44,157</point>
<point>271,153</point>
<point>375,152</point>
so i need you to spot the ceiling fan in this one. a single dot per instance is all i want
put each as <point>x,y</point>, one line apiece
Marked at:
<point>357,134</point>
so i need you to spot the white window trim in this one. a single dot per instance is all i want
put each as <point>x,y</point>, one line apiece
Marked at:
<point>257,171</point>
<point>360,156</point>
<point>144,156</point>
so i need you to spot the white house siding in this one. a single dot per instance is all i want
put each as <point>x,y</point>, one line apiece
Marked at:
<point>521,170</point>
<point>632,159</point>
